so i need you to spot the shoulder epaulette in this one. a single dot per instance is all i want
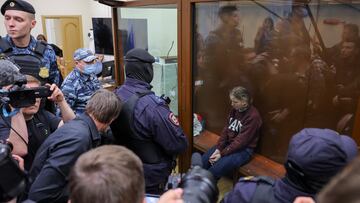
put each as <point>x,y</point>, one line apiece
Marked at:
<point>40,47</point>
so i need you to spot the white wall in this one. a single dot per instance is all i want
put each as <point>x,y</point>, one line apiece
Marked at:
<point>85,8</point>
<point>162,28</point>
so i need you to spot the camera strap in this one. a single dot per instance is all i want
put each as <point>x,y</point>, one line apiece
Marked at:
<point>9,125</point>
<point>7,112</point>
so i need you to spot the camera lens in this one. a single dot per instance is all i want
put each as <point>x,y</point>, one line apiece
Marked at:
<point>7,145</point>
<point>199,186</point>
<point>12,178</point>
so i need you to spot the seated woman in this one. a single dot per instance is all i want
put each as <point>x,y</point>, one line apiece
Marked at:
<point>238,138</point>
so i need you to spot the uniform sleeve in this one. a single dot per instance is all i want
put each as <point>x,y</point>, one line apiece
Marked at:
<point>167,131</point>
<point>70,92</point>
<point>49,185</point>
<point>247,133</point>
<point>4,128</point>
<point>54,75</point>
<point>241,193</point>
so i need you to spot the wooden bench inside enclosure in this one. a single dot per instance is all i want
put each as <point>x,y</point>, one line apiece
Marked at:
<point>258,165</point>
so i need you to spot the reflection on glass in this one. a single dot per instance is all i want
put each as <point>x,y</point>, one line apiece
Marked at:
<point>300,62</point>
<point>154,29</point>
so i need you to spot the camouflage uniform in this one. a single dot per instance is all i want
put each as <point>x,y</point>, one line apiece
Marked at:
<point>78,88</point>
<point>49,71</point>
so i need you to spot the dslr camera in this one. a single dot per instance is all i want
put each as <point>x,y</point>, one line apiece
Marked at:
<point>199,185</point>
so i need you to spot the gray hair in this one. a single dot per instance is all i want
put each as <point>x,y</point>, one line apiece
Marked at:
<point>241,93</point>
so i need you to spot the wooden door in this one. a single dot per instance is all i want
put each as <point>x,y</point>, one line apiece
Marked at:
<point>72,39</point>
<point>68,36</point>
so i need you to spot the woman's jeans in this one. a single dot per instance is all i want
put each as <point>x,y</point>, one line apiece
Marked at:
<point>227,164</point>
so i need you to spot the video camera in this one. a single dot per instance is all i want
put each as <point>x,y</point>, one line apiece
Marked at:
<point>18,96</point>
<point>199,185</point>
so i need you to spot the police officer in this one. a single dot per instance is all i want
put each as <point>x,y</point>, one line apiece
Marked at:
<point>146,125</point>
<point>35,58</point>
<point>82,82</point>
<point>314,157</point>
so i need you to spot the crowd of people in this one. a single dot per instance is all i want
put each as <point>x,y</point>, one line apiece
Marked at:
<point>60,149</point>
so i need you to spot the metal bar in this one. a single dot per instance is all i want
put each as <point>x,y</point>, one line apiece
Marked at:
<point>267,9</point>
<point>317,32</point>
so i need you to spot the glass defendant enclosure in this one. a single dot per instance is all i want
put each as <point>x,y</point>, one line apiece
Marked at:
<point>299,59</point>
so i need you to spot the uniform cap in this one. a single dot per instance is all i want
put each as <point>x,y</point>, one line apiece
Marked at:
<point>17,5</point>
<point>321,152</point>
<point>9,73</point>
<point>84,54</point>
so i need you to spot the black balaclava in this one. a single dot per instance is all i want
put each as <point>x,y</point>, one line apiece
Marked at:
<point>138,65</point>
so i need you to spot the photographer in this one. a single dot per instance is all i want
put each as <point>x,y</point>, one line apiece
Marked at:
<point>12,178</point>
<point>41,123</point>
<point>9,76</point>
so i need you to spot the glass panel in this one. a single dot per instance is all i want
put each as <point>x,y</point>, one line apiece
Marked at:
<point>298,77</point>
<point>154,29</point>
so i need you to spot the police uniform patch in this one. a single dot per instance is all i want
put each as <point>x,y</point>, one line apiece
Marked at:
<point>173,119</point>
<point>44,72</point>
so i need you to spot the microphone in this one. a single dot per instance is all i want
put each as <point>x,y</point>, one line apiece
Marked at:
<point>196,160</point>
<point>172,44</point>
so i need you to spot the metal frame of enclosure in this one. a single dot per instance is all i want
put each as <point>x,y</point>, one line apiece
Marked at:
<point>185,26</point>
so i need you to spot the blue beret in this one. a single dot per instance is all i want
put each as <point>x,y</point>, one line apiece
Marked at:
<point>17,5</point>
<point>321,152</point>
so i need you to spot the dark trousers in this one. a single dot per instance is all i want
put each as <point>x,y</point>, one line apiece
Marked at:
<point>225,165</point>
